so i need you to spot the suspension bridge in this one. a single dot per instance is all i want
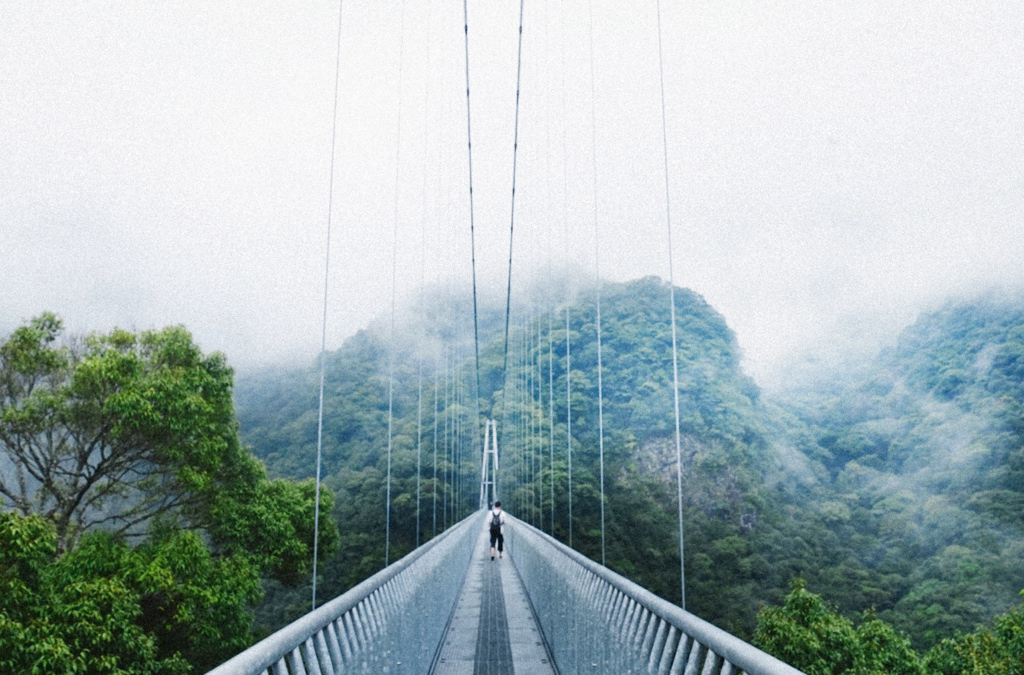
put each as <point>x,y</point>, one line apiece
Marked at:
<point>447,608</point>
<point>450,607</point>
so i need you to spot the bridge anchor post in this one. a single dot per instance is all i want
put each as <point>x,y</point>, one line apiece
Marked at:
<point>489,481</point>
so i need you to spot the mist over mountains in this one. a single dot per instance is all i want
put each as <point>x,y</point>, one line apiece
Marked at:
<point>897,485</point>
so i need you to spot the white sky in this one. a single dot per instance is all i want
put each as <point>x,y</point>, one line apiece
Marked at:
<point>834,166</point>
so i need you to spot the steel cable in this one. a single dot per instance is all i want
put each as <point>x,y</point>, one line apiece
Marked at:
<point>394,282</point>
<point>672,304</point>
<point>472,231</point>
<point>323,334</point>
<point>597,274</point>
<point>565,223</point>
<point>423,248</point>
<point>512,219</point>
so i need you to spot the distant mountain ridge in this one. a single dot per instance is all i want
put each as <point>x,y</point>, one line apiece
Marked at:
<point>900,490</point>
<point>925,455</point>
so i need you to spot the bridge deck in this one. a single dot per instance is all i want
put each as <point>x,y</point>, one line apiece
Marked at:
<point>493,630</point>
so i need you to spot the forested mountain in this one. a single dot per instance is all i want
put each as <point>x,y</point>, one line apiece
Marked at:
<point>735,517</point>
<point>920,468</point>
<point>870,526</point>
<point>899,490</point>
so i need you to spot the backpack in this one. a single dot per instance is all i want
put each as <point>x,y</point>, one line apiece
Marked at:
<point>495,524</point>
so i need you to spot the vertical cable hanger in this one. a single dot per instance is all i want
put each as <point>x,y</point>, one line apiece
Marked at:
<point>527,382</point>
<point>550,298</point>
<point>323,333</point>
<point>419,444</point>
<point>394,281</point>
<point>539,417</point>
<point>437,367</point>
<point>464,392</point>
<point>423,248</point>
<point>456,430</point>
<point>457,447</point>
<point>597,275</point>
<point>448,246</point>
<point>454,437</point>
<point>531,418</point>
<point>568,341</point>
<point>672,304</point>
<point>568,414</point>
<point>447,419</point>
<point>551,417</point>
<point>520,369</point>
<point>443,109</point>
<point>540,421</point>
<point>527,447</point>
<point>529,379</point>
<point>531,354</point>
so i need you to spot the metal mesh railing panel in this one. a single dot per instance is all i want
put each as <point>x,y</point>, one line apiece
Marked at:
<point>596,621</point>
<point>391,623</point>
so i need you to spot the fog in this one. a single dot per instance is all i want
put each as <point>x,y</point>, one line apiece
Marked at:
<point>834,168</point>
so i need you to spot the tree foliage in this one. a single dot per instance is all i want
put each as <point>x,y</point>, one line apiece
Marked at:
<point>808,634</point>
<point>141,528</point>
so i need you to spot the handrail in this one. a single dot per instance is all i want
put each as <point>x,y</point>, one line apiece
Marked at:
<point>597,621</point>
<point>370,627</point>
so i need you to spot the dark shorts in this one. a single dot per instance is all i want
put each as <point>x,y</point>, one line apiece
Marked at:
<point>498,537</point>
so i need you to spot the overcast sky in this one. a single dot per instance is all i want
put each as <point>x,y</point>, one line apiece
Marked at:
<point>834,166</point>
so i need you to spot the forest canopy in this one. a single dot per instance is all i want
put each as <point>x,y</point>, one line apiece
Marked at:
<point>136,528</point>
<point>891,489</point>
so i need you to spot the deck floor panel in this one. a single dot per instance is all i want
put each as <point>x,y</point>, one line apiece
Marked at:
<point>493,630</point>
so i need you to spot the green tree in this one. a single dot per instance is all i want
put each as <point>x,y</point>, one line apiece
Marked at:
<point>53,619</point>
<point>998,650</point>
<point>141,527</point>
<point>806,633</point>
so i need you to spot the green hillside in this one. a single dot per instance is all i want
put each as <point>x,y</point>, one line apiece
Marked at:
<point>735,519</point>
<point>899,492</point>
<point>922,466</point>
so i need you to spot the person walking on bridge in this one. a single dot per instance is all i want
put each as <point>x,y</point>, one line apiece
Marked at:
<point>496,520</point>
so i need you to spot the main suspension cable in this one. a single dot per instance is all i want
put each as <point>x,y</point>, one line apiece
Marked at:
<point>472,232</point>
<point>672,302</point>
<point>323,333</point>
<point>512,222</point>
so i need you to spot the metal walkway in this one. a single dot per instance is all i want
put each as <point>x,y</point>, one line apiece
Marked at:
<point>493,630</point>
<point>544,609</point>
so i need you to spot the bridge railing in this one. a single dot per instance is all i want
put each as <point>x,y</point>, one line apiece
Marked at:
<point>597,621</point>
<point>392,622</point>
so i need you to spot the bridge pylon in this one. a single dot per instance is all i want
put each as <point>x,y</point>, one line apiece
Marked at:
<point>489,480</point>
